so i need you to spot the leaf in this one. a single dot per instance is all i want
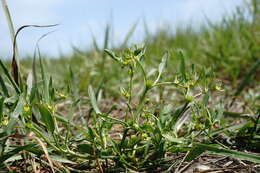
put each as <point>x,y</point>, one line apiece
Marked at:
<point>247,77</point>
<point>61,159</point>
<point>182,66</point>
<point>86,148</point>
<point>3,86</point>
<point>162,66</point>
<point>93,100</point>
<point>9,154</point>
<point>107,34</point>
<point>19,108</point>
<point>113,55</point>
<point>163,63</point>
<point>200,148</point>
<point>29,83</point>
<point>9,77</point>
<point>47,118</point>
<point>1,108</point>
<point>173,139</point>
<point>15,71</point>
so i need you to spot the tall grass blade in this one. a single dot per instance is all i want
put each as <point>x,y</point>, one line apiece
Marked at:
<point>10,24</point>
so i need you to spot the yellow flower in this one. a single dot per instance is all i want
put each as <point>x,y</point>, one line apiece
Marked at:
<point>218,88</point>
<point>26,108</point>
<point>61,95</point>
<point>144,136</point>
<point>51,108</point>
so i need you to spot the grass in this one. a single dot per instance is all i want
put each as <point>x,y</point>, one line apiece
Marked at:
<point>152,107</point>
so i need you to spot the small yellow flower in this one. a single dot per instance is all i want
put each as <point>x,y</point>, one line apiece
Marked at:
<point>61,95</point>
<point>218,88</point>
<point>26,108</point>
<point>5,120</point>
<point>144,136</point>
<point>51,108</point>
<point>176,80</point>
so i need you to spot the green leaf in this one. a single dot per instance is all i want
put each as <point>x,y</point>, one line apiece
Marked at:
<point>15,151</point>
<point>182,65</point>
<point>47,118</point>
<point>9,77</point>
<point>113,55</point>
<point>86,148</point>
<point>93,100</point>
<point>173,139</point>
<point>1,108</point>
<point>200,148</point>
<point>162,66</point>
<point>3,86</point>
<point>19,108</point>
<point>194,153</point>
<point>247,77</point>
<point>61,159</point>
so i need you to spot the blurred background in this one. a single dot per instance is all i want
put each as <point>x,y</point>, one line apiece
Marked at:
<point>79,21</point>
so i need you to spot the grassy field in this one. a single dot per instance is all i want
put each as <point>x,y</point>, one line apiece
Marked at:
<point>176,101</point>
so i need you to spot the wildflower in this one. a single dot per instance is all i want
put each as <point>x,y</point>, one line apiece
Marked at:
<point>176,80</point>
<point>5,120</point>
<point>26,108</point>
<point>218,88</point>
<point>145,136</point>
<point>51,108</point>
<point>62,96</point>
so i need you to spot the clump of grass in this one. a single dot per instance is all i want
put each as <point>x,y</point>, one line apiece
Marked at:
<point>161,106</point>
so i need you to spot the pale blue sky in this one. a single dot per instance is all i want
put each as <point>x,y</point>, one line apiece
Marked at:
<point>78,17</point>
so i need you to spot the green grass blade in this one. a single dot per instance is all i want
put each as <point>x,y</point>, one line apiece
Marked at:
<point>200,148</point>
<point>9,77</point>
<point>15,151</point>
<point>19,108</point>
<point>247,77</point>
<point>106,39</point>
<point>93,100</point>
<point>3,86</point>
<point>1,108</point>
<point>182,65</point>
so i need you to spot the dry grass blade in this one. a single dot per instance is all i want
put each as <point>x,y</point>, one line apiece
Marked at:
<point>46,153</point>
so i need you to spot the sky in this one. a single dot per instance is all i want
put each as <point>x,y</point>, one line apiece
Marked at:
<point>80,20</point>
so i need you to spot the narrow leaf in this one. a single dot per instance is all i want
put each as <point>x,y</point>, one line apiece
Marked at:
<point>47,118</point>
<point>113,55</point>
<point>15,151</point>
<point>3,86</point>
<point>1,108</point>
<point>93,100</point>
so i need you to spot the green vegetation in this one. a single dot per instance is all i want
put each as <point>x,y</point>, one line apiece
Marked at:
<point>136,109</point>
